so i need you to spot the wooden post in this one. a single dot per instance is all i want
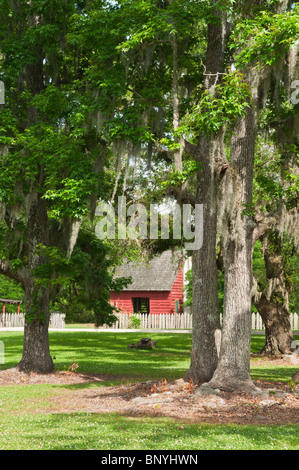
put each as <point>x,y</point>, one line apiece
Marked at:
<point>3,308</point>
<point>18,308</point>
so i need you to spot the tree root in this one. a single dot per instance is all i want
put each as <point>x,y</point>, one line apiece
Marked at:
<point>231,384</point>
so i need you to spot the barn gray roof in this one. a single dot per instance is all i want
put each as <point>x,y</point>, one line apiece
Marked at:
<point>157,275</point>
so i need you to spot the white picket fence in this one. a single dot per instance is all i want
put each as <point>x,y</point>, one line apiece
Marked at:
<point>159,321</point>
<point>17,320</point>
<point>179,321</point>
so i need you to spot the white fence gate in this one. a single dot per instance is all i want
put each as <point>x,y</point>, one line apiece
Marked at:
<point>17,320</point>
<point>178,321</point>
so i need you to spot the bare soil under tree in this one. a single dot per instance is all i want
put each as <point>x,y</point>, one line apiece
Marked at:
<point>277,404</point>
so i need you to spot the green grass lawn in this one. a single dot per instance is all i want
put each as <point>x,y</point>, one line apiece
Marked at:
<point>23,426</point>
<point>83,431</point>
<point>108,353</point>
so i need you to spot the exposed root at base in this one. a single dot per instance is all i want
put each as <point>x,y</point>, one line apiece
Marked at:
<point>232,385</point>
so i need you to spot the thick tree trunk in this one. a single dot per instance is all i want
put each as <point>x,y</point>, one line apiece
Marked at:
<point>273,304</point>
<point>233,370</point>
<point>36,355</point>
<point>36,352</point>
<point>205,308</point>
<point>278,331</point>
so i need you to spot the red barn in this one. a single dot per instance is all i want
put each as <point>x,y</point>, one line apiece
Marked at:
<point>155,288</point>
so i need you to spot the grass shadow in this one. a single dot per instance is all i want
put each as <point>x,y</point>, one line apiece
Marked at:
<point>81,431</point>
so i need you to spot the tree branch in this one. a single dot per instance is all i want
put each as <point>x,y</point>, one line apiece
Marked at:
<point>193,150</point>
<point>264,224</point>
<point>183,196</point>
<point>18,275</point>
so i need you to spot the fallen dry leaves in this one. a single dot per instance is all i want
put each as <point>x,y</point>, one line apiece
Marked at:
<point>177,399</point>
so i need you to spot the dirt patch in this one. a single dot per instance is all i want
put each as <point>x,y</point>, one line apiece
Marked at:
<point>14,377</point>
<point>277,404</point>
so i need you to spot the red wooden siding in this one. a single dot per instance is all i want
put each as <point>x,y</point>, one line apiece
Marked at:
<point>177,290</point>
<point>160,301</point>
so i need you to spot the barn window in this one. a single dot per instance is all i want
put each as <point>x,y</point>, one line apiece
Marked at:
<point>141,305</point>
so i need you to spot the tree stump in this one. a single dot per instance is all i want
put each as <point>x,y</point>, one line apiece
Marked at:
<point>144,343</point>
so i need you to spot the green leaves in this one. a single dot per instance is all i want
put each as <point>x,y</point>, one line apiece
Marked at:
<point>177,178</point>
<point>8,127</point>
<point>263,40</point>
<point>70,200</point>
<point>292,190</point>
<point>228,103</point>
<point>151,21</point>
<point>105,73</point>
<point>275,181</point>
<point>53,103</point>
<point>126,125</point>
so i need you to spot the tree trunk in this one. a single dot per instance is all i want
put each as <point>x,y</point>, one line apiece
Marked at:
<point>273,304</point>
<point>276,318</point>
<point>205,307</point>
<point>36,354</point>
<point>178,164</point>
<point>233,370</point>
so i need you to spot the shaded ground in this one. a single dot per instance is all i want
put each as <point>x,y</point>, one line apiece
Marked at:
<point>278,404</point>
